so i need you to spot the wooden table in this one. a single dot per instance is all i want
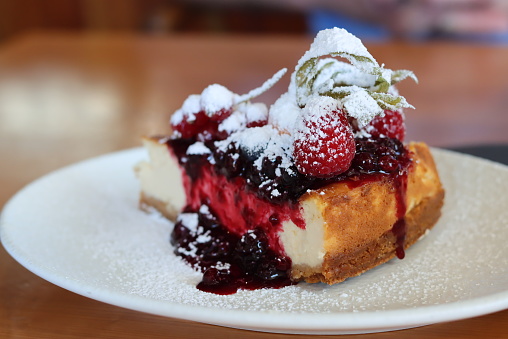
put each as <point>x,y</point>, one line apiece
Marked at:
<point>64,98</point>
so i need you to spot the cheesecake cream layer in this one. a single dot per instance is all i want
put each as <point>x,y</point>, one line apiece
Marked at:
<point>161,180</point>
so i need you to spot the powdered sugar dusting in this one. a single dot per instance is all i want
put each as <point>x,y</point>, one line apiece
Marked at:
<point>263,88</point>
<point>336,72</point>
<point>254,140</point>
<point>279,145</point>
<point>188,111</point>
<point>335,41</point>
<point>235,122</point>
<point>198,148</point>
<point>363,84</point>
<point>189,220</point>
<point>254,112</point>
<point>192,104</point>
<point>361,106</point>
<point>433,272</point>
<point>284,112</point>
<point>362,88</point>
<point>215,98</point>
<point>324,143</point>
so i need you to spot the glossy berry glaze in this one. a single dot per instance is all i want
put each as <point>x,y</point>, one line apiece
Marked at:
<point>225,187</point>
<point>230,262</point>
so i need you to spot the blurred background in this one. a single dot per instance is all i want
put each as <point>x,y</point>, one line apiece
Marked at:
<point>146,16</point>
<point>479,20</point>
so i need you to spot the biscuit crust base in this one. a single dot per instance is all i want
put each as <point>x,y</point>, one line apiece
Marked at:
<point>337,268</point>
<point>148,203</point>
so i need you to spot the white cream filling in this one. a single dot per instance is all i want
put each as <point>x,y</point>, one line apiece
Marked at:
<point>161,178</point>
<point>305,246</point>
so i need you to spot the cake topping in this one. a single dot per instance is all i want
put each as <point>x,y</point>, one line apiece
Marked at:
<point>263,88</point>
<point>198,148</point>
<point>319,143</point>
<point>310,130</point>
<point>390,124</point>
<point>218,112</point>
<point>246,115</point>
<point>216,100</point>
<point>363,86</point>
<point>324,144</point>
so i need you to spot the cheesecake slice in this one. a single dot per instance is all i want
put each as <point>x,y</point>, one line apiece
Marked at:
<point>319,187</point>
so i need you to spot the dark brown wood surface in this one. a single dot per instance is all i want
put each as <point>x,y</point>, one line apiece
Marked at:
<point>65,98</point>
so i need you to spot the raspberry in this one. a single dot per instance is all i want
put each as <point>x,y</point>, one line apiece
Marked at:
<point>201,114</point>
<point>217,101</point>
<point>258,123</point>
<point>324,144</point>
<point>201,126</point>
<point>220,115</point>
<point>256,115</point>
<point>189,125</point>
<point>391,125</point>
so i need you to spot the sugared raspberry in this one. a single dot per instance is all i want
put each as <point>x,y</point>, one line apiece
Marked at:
<point>220,115</point>
<point>324,144</point>
<point>201,114</point>
<point>189,125</point>
<point>391,125</point>
<point>256,114</point>
<point>259,123</point>
<point>217,101</point>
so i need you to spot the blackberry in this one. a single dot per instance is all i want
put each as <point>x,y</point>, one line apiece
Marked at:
<point>229,162</point>
<point>381,155</point>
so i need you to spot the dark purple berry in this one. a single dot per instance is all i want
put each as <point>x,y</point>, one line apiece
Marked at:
<point>388,163</point>
<point>365,161</point>
<point>267,271</point>
<point>180,234</point>
<point>216,250</point>
<point>214,276</point>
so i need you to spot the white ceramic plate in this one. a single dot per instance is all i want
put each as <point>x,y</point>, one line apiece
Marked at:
<point>80,229</point>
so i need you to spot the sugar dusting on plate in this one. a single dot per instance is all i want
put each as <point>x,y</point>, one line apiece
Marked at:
<point>136,257</point>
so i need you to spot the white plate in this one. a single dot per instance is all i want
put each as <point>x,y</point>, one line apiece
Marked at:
<point>80,229</point>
